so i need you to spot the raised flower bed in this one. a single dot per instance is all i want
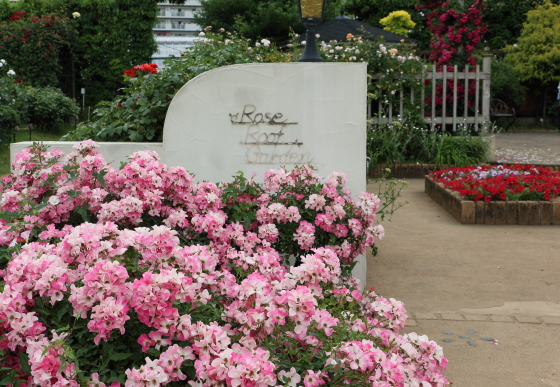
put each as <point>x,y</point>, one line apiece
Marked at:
<point>518,194</point>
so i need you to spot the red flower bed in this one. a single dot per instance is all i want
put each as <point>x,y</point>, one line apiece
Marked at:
<point>500,182</point>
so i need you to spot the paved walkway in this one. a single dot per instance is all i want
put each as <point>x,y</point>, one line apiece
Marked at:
<point>498,282</point>
<point>528,148</point>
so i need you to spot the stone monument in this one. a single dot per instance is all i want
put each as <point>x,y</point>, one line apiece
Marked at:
<point>256,117</point>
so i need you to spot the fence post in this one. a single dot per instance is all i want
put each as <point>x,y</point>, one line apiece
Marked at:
<point>486,68</point>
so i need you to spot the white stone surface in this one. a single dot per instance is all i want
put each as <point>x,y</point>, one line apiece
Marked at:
<point>323,107</point>
<point>113,152</point>
<point>255,117</point>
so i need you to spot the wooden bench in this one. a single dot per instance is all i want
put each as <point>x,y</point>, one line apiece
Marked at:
<point>498,109</point>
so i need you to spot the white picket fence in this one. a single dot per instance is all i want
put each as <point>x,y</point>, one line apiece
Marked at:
<point>478,115</point>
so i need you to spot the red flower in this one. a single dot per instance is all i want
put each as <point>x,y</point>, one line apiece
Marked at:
<point>501,181</point>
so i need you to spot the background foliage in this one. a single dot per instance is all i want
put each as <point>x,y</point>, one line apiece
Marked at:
<point>21,104</point>
<point>257,19</point>
<point>505,84</point>
<point>38,48</point>
<point>139,113</point>
<point>537,51</point>
<point>47,106</point>
<point>505,20</point>
<point>13,106</point>
<point>108,37</point>
<point>536,56</point>
<point>372,12</point>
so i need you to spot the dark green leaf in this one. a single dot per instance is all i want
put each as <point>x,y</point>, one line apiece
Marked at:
<point>7,380</point>
<point>83,212</point>
<point>119,379</point>
<point>100,176</point>
<point>120,356</point>
<point>24,362</point>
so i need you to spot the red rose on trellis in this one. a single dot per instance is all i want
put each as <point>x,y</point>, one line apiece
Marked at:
<point>454,26</point>
<point>469,92</point>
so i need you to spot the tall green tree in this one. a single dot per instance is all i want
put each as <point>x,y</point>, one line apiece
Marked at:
<point>505,20</point>
<point>113,35</point>
<point>37,47</point>
<point>536,56</point>
<point>257,19</point>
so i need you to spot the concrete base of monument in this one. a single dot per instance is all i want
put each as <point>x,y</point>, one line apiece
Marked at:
<point>499,213</point>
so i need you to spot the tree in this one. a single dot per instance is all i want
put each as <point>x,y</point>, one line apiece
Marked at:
<point>113,35</point>
<point>536,56</point>
<point>37,47</point>
<point>505,20</point>
<point>5,10</point>
<point>257,19</point>
<point>537,53</point>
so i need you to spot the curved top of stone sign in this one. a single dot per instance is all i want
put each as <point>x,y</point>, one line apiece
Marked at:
<point>255,117</point>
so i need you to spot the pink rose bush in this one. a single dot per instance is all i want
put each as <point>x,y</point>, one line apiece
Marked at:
<point>143,277</point>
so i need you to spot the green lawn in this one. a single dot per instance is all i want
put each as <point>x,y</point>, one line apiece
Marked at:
<point>58,131</point>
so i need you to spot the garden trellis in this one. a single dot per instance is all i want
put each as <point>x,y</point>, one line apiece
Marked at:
<point>478,114</point>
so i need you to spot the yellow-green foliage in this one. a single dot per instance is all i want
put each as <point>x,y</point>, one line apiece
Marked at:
<point>398,22</point>
<point>536,55</point>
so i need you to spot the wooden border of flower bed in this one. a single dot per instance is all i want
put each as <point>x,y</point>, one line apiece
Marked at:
<point>494,212</point>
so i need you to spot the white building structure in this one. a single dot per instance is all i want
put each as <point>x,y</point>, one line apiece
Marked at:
<point>177,20</point>
<point>175,29</point>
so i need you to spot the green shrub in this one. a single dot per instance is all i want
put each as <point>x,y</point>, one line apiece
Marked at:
<point>460,151</point>
<point>47,106</point>
<point>13,102</point>
<point>21,105</point>
<point>10,111</point>
<point>505,84</point>
<point>397,144</point>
